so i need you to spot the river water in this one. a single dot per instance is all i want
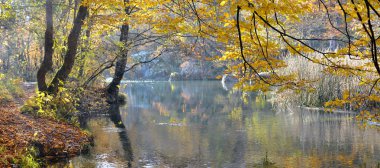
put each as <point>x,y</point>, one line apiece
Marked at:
<point>201,124</point>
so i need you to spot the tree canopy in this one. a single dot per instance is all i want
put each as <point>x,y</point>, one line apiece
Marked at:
<point>252,39</point>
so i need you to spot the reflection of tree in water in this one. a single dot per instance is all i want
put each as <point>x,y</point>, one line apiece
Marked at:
<point>200,104</point>
<point>115,117</point>
<point>195,101</point>
<point>112,145</point>
<point>230,131</point>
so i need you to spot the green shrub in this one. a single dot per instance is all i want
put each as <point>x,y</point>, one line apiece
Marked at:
<point>5,96</point>
<point>10,89</point>
<point>61,106</point>
<point>28,160</point>
<point>14,86</point>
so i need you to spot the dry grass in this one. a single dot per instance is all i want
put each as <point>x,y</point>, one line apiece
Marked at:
<point>326,86</point>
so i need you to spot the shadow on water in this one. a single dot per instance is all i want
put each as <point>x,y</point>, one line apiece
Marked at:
<point>106,128</point>
<point>114,113</point>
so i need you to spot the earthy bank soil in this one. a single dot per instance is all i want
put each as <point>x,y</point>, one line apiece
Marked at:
<point>53,139</point>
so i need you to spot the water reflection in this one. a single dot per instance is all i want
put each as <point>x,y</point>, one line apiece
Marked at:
<point>199,124</point>
<point>112,147</point>
<point>115,117</point>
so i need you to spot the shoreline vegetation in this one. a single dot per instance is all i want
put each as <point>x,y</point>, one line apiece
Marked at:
<point>32,141</point>
<point>303,53</point>
<point>328,91</point>
<point>39,129</point>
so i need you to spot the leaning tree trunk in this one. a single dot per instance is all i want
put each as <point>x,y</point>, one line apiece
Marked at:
<point>62,74</point>
<point>113,87</point>
<point>86,48</point>
<point>47,63</point>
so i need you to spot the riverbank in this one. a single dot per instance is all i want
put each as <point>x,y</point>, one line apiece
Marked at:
<point>49,139</point>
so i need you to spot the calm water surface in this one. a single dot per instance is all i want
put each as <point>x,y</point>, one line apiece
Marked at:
<point>200,124</point>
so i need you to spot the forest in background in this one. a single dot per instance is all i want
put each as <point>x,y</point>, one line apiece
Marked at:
<point>322,52</point>
<point>255,42</point>
<point>313,53</point>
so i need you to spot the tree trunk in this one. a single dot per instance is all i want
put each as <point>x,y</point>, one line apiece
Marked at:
<point>47,63</point>
<point>72,46</point>
<point>86,48</point>
<point>113,87</point>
